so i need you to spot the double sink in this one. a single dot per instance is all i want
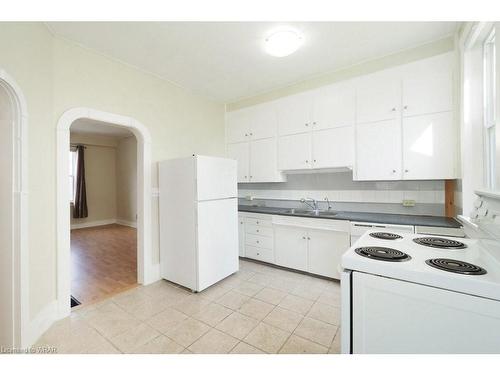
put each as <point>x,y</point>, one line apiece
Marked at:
<point>298,211</point>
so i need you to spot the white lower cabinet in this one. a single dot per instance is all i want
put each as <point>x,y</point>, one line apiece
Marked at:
<point>290,247</point>
<point>325,250</point>
<point>241,235</point>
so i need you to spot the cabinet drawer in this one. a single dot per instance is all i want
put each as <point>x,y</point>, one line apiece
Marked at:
<point>258,221</point>
<point>259,241</point>
<point>265,255</point>
<point>259,230</point>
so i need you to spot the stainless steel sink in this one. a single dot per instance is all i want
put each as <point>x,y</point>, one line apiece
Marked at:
<point>299,211</point>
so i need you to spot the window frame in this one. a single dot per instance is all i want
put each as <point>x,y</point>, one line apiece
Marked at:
<point>489,107</point>
<point>73,173</point>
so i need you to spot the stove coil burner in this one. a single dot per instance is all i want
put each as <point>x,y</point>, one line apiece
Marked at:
<point>385,236</point>
<point>456,266</point>
<point>382,253</point>
<point>440,243</point>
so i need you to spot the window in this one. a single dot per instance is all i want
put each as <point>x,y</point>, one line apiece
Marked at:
<point>489,109</point>
<point>72,174</point>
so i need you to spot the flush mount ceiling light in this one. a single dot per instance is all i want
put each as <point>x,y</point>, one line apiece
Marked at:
<point>283,42</point>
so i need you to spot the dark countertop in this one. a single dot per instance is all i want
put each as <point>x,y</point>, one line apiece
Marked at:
<point>370,217</point>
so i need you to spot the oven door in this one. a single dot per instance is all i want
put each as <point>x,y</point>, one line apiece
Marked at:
<point>393,316</point>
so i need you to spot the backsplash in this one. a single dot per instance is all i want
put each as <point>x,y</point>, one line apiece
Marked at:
<point>383,196</point>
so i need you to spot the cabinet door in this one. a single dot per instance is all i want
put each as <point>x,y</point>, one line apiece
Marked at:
<point>241,153</point>
<point>241,236</point>
<point>333,147</point>
<point>294,114</point>
<point>334,106</point>
<point>238,126</point>
<point>263,121</point>
<point>428,86</point>
<point>379,96</point>
<point>290,248</point>
<point>294,152</point>
<point>325,251</point>
<point>378,151</point>
<point>264,161</point>
<point>429,147</point>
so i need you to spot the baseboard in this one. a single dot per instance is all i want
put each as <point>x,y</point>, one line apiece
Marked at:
<point>41,323</point>
<point>127,223</point>
<point>93,223</point>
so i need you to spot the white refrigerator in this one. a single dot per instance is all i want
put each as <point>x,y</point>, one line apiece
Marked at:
<point>198,220</point>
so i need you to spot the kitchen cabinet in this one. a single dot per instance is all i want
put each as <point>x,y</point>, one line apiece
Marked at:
<point>241,235</point>
<point>259,238</point>
<point>419,140</point>
<point>428,86</point>
<point>241,153</point>
<point>325,249</point>
<point>378,96</point>
<point>378,151</point>
<point>429,147</point>
<point>238,125</point>
<point>294,114</point>
<point>291,247</point>
<point>264,161</point>
<point>294,151</point>
<point>333,148</point>
<point>334,106</point>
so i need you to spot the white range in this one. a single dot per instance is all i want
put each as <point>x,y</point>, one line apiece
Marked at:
<point>412,293</point>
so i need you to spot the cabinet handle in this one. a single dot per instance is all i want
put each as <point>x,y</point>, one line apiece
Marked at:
<point>405,107</point>
<point>308,238</point>
<point>307,161</point>
<point>393,110</point>
<point>246,135</point>
<point>251,176</point>
<point>303,238</point>
<point>406,170</point>
<point>246,177</point>
<point>393,171</point>
<point>306,124</point>
<point>257,241</point>
<point>251,133</point>
<point>258,253</point>
<point>314,161</point>
<point>314,123</point>
<point>257,222</point>
<point>241,222</point>
<point>257,230</point>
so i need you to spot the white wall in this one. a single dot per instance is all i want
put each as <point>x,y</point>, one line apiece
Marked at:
<point>56,75</point>
<point>126,180</point>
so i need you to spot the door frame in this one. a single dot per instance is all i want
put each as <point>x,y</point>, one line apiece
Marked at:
<point>146,272</point>
<point>20,249</point>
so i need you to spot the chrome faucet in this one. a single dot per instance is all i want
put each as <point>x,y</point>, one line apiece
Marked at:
<point>329,204</point>
<point>314,204</point>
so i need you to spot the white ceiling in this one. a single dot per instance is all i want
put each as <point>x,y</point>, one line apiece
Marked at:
<point>225,61</point>
<point>92,127</point>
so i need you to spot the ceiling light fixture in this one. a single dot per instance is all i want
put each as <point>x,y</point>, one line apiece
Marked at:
<point>283,42</point>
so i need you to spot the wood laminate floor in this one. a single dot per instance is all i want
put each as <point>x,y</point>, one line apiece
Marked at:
<point>103,261</point>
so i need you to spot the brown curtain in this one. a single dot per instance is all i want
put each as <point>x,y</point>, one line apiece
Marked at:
<point>80,210</point>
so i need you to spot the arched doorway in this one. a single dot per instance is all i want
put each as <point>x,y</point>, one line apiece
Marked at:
<point>14,281</point>
<point>145,271</point>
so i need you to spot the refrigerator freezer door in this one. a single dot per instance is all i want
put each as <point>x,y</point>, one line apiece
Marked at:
<point>217,240</point>
<point>216,178</point>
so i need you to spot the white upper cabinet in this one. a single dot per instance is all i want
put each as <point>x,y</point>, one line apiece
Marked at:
<point>428,86</point>
<point>378,96</point>
<point>264,161</point>
<point>429,147</point>
<point>334,106</point>
<point>237,126</point>
<point>294,114</point>
<point>378,151</point>
<point>294,151</point>
<point>263,121</point>
<point>241,153</point>
<point>333,148</point>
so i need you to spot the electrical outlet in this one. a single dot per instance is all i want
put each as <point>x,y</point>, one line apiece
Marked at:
<point>408,202</point>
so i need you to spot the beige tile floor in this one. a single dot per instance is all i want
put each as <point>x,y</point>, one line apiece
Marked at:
<point>260,309</point>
